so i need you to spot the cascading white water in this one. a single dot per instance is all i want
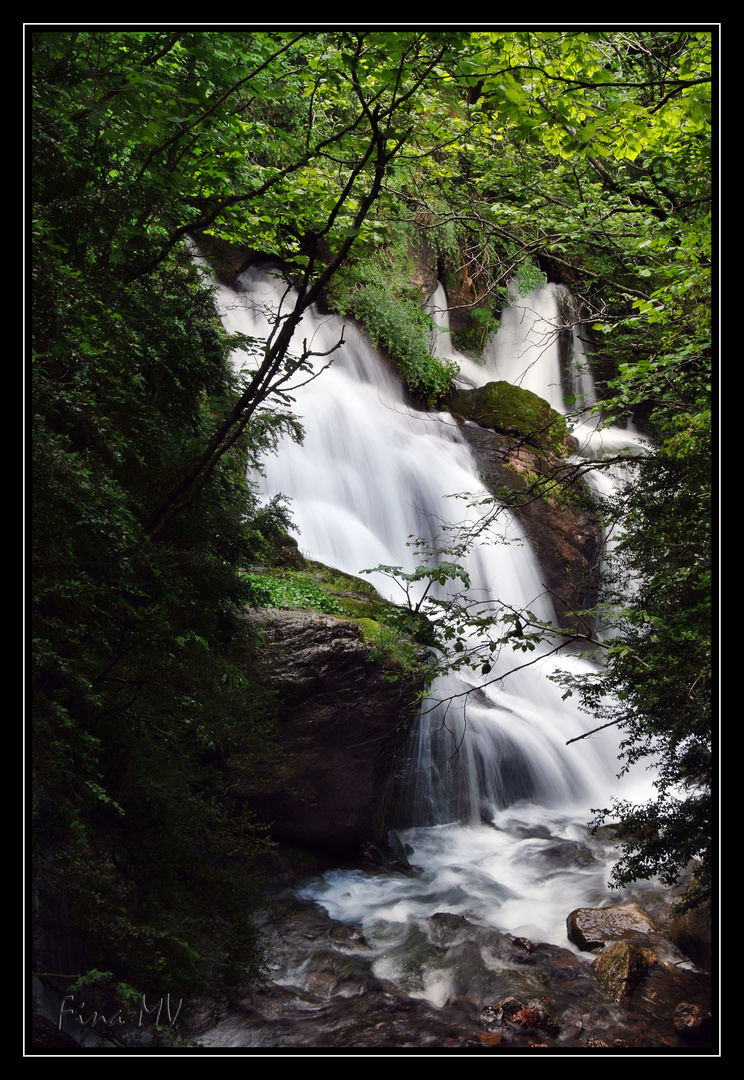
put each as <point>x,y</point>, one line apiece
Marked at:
<point>371,473</point>
<point>541,345</point>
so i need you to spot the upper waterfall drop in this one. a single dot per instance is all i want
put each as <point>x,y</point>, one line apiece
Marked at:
<point>539,346</point>
<point>543,345</point>
<point>371,471</point>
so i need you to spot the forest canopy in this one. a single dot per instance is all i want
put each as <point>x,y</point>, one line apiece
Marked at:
<point>583,156</point>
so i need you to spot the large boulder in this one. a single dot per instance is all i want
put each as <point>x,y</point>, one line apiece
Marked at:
<point>592,928</point>
<point>343,721</point>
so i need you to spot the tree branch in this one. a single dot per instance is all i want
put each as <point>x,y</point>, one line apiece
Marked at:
<point>586,734</point>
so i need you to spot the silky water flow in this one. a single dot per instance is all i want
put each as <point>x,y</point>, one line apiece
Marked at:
<point>499,802</point>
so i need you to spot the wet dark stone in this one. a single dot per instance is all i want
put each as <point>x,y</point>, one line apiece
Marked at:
<point>693,1023</point>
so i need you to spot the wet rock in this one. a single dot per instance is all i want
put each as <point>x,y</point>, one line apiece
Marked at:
<point>445,929</point>
<point>348,936</point>
<point>321,983</point>
<point>391,855</point>
<point>342,724</point>
<point>378,1016</point>
<point>536,1016</point>
<point>553,960</point>
<point>503,1010</point>
<point>488,1038</point>
<point>591,928</point>
<point>692,1023</point>
<point>399,850</point>
<point>621,967</point>
<point>523,943</point>
<point>563,853</point>
<point>533,1016</point>
<point>572,1025</point>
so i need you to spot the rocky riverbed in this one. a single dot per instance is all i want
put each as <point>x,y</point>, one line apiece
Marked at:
<point>484,989</point>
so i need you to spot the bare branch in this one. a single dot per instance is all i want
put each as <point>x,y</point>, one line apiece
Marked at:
<point>586,734</point>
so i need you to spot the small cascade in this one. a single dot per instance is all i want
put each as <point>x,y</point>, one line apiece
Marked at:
<point>543,346</point>
<point>526,350</point>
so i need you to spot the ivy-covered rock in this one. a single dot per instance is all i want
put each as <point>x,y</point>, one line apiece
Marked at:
<point>510,410</point>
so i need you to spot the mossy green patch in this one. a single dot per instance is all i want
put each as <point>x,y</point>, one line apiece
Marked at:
<point>290,589</point>
<point>369,627</point>
<point>396,644</point>
<point>512,411</point>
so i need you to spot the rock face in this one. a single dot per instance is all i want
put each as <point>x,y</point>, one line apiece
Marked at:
<point>343,724</point>
<point>563,529</point>
<point>225,260</point>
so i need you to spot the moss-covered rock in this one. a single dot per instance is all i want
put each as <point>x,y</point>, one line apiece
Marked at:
<point>399,637</point>
<point>621,967</point>
<point>511,410</point>
<point>370,628</point>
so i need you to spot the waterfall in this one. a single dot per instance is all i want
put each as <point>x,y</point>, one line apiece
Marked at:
<point>543,346</point>
<point>370,472</point>
<point>373,472</point>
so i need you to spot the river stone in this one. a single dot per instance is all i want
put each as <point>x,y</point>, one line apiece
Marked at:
<point>692,1022</point>
<point>535,1015</point>
<point>350,937</point>
<point>591,928</point>
<point>504,1009</point>
<point>621,967</point>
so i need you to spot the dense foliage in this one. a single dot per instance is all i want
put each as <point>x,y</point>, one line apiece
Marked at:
<point>660,671</point>
<point>143,701</point>
<point>582,155</point>
<point>141,692</point>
